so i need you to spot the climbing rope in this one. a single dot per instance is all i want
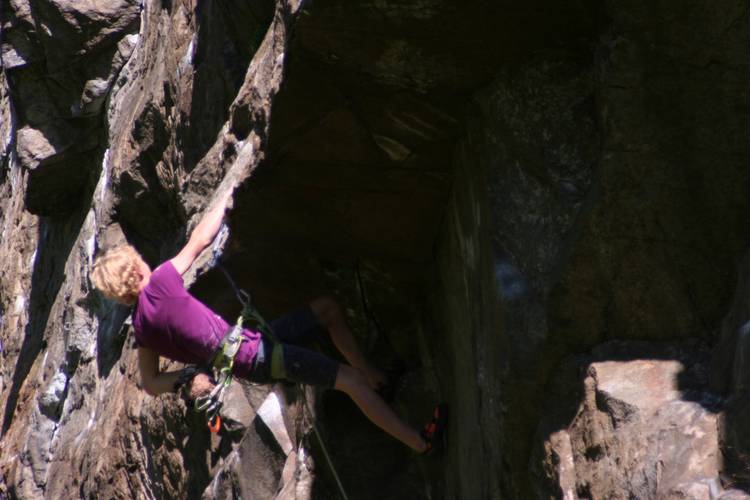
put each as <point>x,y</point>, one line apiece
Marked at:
<point>213,402</point>
<point>371,318</point>
<point>323,447</point>
<point>250,312</point>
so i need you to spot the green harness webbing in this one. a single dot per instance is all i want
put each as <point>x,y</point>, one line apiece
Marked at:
<point>222,363</point>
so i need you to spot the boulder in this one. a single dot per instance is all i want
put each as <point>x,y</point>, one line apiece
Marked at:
<point>645,426</point>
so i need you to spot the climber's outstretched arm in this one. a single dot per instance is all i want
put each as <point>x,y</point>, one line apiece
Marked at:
<point>202,236</point>
<point>153,381</point>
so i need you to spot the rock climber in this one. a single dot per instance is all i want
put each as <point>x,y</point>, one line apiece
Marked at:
<point>170,322</point>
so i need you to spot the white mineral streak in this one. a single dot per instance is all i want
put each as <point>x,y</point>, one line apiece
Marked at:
<point>187,60</point>
<point>246,154</point>
<point>54,393</point>
<point>20,304</point>
<point>101,186</point>
<point>133,39</point>
<point>91,244</point>
<point>394,149</point>
<point>89,227</point>
<point>304,476</point>
<point>89,424</point>
<point>8,137</point>
<point>287,478</point>
<point>15,172</point>
<point>271,414</point>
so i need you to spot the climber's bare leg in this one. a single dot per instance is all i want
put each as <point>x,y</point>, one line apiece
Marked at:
<point>351,381</point>
<point>329,314</point>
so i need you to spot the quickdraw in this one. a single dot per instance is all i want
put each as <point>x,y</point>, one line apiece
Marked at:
<point>222,364</point>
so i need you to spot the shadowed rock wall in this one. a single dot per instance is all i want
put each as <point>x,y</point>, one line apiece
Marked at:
<point>494,191</point>
<point>596,200</point>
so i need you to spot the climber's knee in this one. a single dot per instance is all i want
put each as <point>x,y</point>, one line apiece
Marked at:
<point>350,380</point>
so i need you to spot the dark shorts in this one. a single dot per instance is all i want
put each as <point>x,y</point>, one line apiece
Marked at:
<point>291,358</point>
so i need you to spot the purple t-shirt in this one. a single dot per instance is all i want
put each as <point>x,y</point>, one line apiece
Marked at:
<point>176,325</point>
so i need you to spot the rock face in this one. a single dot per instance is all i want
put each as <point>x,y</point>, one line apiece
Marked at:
<point>644,428</point>
<point>74,421</point>
<point>534,211</point>
<point>730,377</point>
<point>61,59</point>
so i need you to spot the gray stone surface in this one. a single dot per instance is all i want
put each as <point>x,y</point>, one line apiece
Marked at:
<point>642,429</point>
<point>731,374</point>
<point>99,435</point>
<point>488,189</point>
<point>62,59</point>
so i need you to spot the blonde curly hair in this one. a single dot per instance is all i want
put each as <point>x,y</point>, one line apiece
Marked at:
<point>117,274</point>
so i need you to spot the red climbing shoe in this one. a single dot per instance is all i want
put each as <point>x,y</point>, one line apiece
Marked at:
<point>434,431</point>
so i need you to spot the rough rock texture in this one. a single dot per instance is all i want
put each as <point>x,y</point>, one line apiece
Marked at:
<point>644,428</point>
<point>730,377</point>
<point>61,59</point>
<point>586,212</point>
<point>487,187</point>
<point>74,422</point>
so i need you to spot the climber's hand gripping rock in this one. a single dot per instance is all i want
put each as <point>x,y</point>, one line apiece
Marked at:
<point>201,385</point>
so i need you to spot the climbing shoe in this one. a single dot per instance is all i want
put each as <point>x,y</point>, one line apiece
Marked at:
<point>434,431</point>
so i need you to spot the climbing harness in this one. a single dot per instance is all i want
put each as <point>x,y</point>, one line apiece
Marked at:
<point>251,313</point>
<point>223,361</point>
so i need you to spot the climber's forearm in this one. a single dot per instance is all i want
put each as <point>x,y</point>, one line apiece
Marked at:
<point>153,381</point>
<point>163,382</point>
<point>202,236</point>
<point>205,232</point>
